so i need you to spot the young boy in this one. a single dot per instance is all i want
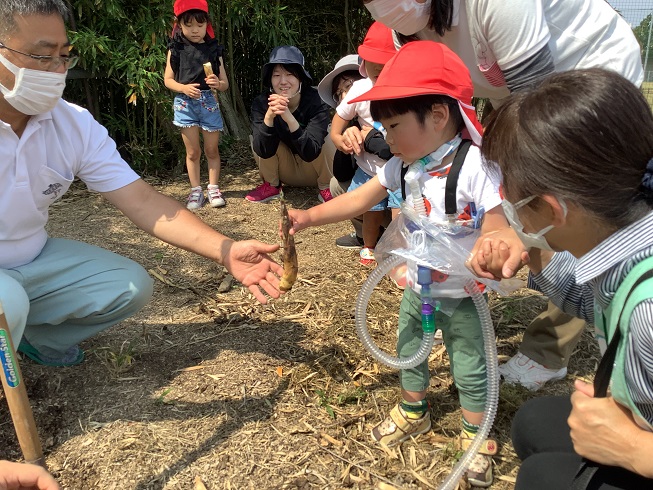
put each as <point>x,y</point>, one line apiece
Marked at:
<point>423,98</point>
<point>377,48</point>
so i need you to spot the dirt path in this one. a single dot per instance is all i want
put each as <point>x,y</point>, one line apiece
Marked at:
<point>215,386</point>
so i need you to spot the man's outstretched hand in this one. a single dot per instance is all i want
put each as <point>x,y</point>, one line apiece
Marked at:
<point>250,264</point>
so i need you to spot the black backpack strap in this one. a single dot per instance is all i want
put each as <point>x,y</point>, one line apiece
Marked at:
<point>452,178</point>
<point>404,170</point>
<point>451,185</point>
<point>589,468</point>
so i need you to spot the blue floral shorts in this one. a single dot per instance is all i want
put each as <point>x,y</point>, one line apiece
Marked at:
<point>203,112</point>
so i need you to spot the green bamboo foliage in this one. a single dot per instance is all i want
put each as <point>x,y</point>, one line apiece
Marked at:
<point>123,45</point>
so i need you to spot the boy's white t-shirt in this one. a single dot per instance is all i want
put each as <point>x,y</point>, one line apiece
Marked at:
<point>368,162</point>
<point>474,186</point>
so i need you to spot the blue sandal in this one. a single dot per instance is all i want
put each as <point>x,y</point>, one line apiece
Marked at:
<point>73,356</point>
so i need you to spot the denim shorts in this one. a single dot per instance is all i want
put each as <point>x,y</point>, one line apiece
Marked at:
<point>203,112</point>
<point>393,201</point>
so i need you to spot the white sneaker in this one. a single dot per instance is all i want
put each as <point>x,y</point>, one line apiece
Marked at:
<point>521,369</point>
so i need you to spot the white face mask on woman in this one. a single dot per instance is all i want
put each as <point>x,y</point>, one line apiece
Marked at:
<point>404,16</point>
<point>35,91</point>
<point>530,240</point>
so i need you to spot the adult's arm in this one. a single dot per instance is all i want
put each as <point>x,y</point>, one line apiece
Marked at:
<point>554,275</point>
<point>265,136</point>
<point>168,220</point>
<point>516,37</point>
<point>530,72</point>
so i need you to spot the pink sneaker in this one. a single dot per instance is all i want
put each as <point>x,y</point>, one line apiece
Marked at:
<point>325,195</point>
<point>263,193</point>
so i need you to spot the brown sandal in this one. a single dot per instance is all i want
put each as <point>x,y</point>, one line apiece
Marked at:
<point>479,473</point>
<point>397,427</point>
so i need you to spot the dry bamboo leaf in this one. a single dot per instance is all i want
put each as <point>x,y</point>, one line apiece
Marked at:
<point>330,439</point>
<point>125,443</point>
<point>160,277</point>
<point>294,316</point>
<point>385,486</point>
<point>191,368</point>
<point>216,377</point>
<point>198,484</point>
<point>307,377</point>
<point>413,457</point>
<point>421,478</point>
<point>306,281</point>
<point>464,485</point>
<point>509,479</point>
<point>356,479</point>
<point>391,453</point>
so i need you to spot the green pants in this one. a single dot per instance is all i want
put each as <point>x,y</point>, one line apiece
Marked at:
<point>463,339</point>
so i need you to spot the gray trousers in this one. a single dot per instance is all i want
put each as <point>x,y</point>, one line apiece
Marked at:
<point>70,292</point>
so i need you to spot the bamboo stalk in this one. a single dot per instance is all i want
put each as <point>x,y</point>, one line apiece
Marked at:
<point>208,71</point>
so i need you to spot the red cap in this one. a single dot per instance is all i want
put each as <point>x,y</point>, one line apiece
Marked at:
<point>181,6</point>
<point>424,68</point>
<point>378,46</point>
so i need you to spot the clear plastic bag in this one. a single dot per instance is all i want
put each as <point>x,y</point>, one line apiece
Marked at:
<point>445,247</point>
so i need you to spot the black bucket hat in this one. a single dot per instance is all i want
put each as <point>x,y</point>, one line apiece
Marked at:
<point>284,55</point>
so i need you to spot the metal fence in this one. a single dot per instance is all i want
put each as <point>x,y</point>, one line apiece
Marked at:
<point>639,14</point>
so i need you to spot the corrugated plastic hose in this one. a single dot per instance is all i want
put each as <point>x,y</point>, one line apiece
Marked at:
<point>491,362</point>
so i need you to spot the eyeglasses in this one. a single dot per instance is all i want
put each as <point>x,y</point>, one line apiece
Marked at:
<point>48,63</point>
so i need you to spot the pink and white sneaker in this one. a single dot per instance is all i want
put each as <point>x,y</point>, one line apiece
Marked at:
<point>195,199</point>
<point>215,197</point>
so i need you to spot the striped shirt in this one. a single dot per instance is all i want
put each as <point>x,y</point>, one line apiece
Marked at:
<point>578,285</point>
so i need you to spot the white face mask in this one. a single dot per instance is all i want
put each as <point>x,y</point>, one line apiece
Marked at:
<point>530,240</point>
<point>404,16</point>
<point>35,91</point>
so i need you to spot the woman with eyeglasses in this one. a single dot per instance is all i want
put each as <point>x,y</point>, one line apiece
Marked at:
<point>332,89</point>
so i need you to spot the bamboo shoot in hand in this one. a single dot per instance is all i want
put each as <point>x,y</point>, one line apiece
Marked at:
<point>290,266</point>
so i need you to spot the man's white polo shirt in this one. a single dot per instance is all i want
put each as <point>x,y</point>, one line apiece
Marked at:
<point>38,168</point>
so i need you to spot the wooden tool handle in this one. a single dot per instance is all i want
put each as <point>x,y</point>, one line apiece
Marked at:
<point>19,407</point>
